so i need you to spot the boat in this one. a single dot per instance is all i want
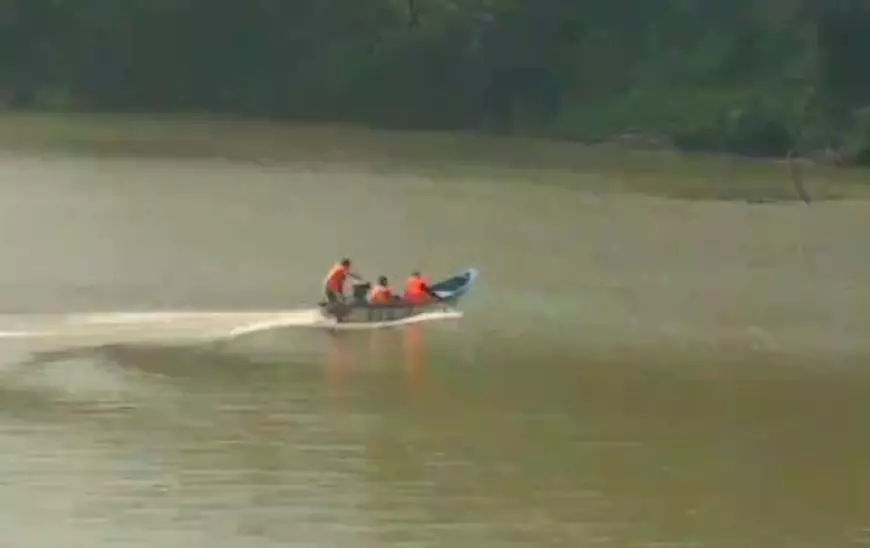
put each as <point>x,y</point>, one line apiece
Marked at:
<point>359,311</point>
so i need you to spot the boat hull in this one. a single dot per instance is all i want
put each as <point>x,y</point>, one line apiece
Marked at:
<point>359,313</point>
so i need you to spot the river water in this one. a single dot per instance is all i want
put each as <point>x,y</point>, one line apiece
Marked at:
<point>631,371</point>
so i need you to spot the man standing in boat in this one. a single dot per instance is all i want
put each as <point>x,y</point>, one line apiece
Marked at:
<point>417,290</point>
<point>333,284</point>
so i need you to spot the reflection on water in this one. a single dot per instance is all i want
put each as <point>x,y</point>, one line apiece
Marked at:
<point>351,355</point>
<point>339,366</point>
<point>414,358</point>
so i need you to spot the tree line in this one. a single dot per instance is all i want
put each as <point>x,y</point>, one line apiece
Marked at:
<point>757,77</point>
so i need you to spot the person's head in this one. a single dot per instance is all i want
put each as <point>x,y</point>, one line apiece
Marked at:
<point>345,262</point>
<point>415,274</point>
<point>382,280</point>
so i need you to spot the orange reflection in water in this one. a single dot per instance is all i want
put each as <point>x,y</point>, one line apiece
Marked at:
<point>415,358</point>
<point>381,349</point>
<point>380,342</point>
<point>340,360</point>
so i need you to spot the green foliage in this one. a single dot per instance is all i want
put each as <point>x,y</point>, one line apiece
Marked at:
<point>710,75</point>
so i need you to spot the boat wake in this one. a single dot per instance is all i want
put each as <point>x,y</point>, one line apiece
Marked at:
<point>176,326</point>
<point>142,327</point>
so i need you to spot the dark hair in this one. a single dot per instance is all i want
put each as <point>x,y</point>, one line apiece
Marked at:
<point>382,280</point>
<point>345,262</point>
<point>416,273</point>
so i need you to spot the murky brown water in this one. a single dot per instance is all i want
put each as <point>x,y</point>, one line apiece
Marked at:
<point>631,371</point>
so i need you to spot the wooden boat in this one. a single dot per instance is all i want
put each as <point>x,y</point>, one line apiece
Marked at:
<point>359,310</point>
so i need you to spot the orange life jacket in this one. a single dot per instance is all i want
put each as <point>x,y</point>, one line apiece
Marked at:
<point>415,290</point>
<point>336,277</point>
<point>381,295</point>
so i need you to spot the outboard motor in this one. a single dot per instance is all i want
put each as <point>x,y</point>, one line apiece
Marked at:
<point>361,292</point>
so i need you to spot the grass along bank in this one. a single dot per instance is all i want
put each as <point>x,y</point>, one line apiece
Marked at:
<point>616,166</point>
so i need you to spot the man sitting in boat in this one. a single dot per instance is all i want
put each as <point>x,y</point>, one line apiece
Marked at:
<point>381,293</point>
<point>333,284</point>
<point>417,290</point>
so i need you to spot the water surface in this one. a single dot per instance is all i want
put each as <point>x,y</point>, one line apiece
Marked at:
<point>631,370</point>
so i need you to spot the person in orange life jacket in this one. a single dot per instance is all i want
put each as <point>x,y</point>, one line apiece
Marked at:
<point>417,290</point>
<point>333,284</point>
<point>381,293</point>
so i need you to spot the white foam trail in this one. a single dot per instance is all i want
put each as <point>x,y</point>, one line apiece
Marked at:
<point>150,317</point>
<point>120,327</point>
<point>24,334</point>
<point>188,326</point>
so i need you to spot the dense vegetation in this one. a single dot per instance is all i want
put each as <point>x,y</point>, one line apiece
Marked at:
<point>749,76</point>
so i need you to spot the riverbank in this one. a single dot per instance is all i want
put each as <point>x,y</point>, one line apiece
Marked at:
<point>623,165</point>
